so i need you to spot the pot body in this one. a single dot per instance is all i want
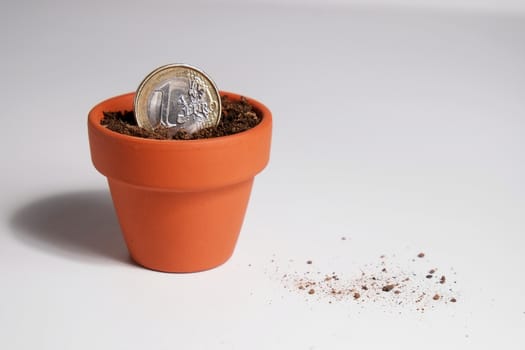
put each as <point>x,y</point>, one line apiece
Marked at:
<point>180,204</point>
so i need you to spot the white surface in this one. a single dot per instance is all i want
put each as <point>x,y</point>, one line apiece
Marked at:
<point>501,6</point>
<point>401,130</point>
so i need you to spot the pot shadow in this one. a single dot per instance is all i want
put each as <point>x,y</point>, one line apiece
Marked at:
<point>76,225</point>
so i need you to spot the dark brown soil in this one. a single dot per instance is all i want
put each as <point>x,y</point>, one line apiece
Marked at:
<point>237,116</point>
<point>388,287</point>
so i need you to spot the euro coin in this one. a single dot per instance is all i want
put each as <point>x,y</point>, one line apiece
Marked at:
<point>178,97</point>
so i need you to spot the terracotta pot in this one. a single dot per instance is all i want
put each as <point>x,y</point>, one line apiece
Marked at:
<point>180,204</point>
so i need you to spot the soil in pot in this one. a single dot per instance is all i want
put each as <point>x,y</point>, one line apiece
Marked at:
<point>237,116</point>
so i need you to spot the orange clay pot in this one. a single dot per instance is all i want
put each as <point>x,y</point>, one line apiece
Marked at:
<point>180,204</point>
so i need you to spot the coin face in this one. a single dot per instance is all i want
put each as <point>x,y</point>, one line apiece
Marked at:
<point>177,96</point>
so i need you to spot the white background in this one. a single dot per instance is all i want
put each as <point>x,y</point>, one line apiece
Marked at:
<point>505,6</point>
<point>399,127</point>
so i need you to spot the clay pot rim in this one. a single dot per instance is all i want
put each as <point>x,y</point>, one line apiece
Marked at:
<point>220,161</point>
<point>96,115</point>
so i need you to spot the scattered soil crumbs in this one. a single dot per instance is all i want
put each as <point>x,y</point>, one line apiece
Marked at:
<point>383,282</point>
<point>237,116</point>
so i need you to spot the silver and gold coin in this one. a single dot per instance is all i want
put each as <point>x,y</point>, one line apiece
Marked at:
<point>177,96</point>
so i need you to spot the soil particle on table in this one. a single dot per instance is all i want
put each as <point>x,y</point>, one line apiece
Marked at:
<point>236,117</point>
<point>388,287</point>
